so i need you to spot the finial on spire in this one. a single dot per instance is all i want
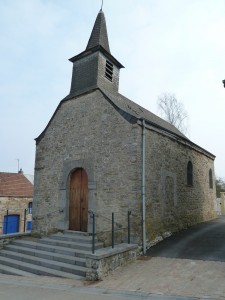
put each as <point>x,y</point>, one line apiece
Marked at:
<point>102,4</point>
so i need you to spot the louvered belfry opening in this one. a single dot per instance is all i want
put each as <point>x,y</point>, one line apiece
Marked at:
<point>109,70</point>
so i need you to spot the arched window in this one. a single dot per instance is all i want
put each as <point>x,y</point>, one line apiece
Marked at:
<point>210,179</point>
<point>189,174</point>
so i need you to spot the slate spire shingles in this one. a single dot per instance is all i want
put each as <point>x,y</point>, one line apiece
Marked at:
<point>99,36</point>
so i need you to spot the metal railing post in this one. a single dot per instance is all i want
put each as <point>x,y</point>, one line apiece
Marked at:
<point>24,220</point>
<point>93,233</point>
<point>6,225</point>
<point>113,230</point>
<point>128,220</point>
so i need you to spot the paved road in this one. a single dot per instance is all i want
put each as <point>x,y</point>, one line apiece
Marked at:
<point>205,241</point>
<point>16,288</point>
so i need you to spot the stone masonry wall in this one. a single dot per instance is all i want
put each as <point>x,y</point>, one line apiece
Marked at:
<point>107,260</point>
<point>86,132</point>
<point>15,206</point>
<point>171,205</point>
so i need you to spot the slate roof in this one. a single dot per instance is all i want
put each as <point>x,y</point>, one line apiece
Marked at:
<point>139,112</point>
<point>99,35</point>
<point>132,112</point>
<point>15,185</point>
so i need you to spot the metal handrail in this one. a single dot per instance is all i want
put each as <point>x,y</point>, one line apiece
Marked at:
<point>113,229</point>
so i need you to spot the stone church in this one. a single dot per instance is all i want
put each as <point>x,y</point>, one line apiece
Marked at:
<point>102,153</point>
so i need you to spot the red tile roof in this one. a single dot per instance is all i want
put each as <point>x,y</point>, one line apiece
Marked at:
<point>15,185</point>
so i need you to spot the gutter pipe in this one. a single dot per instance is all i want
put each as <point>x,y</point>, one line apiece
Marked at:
<point>143,190</point>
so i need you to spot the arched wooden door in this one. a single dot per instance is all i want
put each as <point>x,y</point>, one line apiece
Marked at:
<point>78,207</point>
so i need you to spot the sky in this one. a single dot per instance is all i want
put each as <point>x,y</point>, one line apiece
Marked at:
<point>166,46</point>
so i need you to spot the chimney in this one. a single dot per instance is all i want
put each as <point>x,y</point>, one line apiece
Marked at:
<point>20,171</point>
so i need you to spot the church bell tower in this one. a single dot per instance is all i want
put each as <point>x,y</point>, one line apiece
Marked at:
<point>95,67</point>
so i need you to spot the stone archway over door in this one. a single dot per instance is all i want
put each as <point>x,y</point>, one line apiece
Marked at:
<point>78,207</point>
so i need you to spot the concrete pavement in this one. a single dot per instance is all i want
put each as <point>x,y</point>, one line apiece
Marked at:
<point>189,265</point>
<point>46,288</point>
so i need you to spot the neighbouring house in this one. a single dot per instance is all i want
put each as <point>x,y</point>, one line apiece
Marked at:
<point>102,153</point>
<point>220,204</point>
<point>16,197</point>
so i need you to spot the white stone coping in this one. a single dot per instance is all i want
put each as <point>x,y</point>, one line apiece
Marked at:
<point>109,251</point>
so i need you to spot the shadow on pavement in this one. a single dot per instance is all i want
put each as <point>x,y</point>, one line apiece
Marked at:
<point>205,241</point>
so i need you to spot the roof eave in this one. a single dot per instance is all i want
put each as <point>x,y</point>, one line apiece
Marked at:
<point>93,50</point>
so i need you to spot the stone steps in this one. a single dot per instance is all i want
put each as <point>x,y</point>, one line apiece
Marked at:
<point>4,269</point>
<point>69,244</point>
<point>51,248</point>
<point>72,237</point>
<point>73,260</point>
<point>52,264</point>
<point>38,270</point>
<point>59,255</point>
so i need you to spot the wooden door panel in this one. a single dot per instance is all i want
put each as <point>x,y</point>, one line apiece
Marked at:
<point>74,216</point>
<point>78,208</point>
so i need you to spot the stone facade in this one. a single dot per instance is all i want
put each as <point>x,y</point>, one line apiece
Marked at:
<point>171,204</point>
<point>109,142</point>
<point>96,129</point>
<point>15,206</point>
<point>16,196</point>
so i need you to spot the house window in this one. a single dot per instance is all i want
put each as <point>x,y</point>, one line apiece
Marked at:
<point>210,179</point>
<point>30,208</point>
<point>29,225</point>
<point>109,70</point>
<point>189,174</point>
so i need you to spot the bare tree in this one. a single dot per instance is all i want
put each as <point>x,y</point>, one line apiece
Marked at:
<point>173,111</point>
<point>220,186</point>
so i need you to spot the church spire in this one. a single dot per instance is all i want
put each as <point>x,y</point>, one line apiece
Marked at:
<point>99,36</point>
<point>95,67</point>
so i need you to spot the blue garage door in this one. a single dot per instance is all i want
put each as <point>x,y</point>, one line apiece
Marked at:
<point>13,224</point>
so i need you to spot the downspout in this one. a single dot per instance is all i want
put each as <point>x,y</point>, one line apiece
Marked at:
<point>143,189</point>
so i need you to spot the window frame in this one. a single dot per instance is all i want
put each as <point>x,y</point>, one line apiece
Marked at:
<point>210,179</point>
<point>190,174</point>
<point>29,207</point>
